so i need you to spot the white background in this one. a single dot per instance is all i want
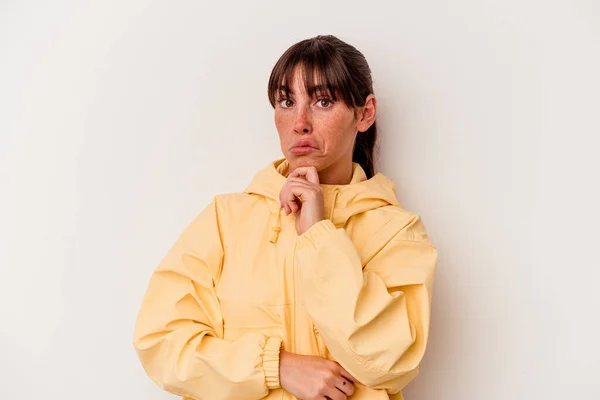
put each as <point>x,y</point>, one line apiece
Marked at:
<point>119,120</point>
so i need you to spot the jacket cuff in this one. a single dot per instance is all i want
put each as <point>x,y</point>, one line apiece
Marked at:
<point>271,362</point>
<point>316,233</point>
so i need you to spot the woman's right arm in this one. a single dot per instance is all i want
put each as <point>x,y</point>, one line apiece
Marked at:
<point>179,329</point>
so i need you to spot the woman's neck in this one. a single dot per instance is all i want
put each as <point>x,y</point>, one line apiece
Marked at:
<point>336,174</point>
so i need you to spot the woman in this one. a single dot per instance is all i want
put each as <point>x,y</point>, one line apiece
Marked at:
<point>313,283</point>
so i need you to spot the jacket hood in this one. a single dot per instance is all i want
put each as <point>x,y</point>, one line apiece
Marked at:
<point>341,201</point>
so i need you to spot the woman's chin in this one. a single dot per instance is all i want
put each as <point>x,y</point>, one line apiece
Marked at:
<point>304,161</point>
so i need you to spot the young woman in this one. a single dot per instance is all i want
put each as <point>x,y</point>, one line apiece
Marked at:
<point>313,283</point>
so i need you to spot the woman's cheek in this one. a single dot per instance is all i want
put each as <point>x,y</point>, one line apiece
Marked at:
<point>279,121</point>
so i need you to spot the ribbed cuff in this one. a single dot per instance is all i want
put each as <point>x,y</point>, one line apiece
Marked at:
<point>314,234</point>
<point>271,362</point>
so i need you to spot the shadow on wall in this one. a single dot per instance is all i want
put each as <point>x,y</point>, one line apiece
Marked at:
<point>440,362</point>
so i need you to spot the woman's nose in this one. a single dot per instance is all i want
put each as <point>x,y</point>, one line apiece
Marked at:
<point>302,120</point>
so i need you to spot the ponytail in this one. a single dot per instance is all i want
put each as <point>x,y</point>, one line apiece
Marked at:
<point>363,150</point>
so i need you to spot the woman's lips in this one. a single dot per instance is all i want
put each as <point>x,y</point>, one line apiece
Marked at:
<point>299,150</point>
<point>303,146</point>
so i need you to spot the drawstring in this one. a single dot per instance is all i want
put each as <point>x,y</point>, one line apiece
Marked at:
<point>333,198</point>
<point>275,229</point>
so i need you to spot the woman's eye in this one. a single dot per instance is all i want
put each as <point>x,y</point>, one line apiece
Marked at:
<point>286,103</point>
<point>325,103</point>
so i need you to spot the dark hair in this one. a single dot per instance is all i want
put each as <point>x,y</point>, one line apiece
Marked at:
<point>342,70</point>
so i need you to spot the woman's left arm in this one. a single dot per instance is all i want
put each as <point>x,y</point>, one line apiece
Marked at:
<point>374,320</point>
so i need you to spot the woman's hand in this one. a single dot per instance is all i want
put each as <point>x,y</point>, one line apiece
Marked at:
<point>303,195</point>
<point>314,378</point>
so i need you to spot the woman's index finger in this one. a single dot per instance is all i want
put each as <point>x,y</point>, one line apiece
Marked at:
<point>310,173</point>
<point>347,375</point>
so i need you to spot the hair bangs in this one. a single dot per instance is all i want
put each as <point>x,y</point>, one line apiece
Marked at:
<point>322,70</point>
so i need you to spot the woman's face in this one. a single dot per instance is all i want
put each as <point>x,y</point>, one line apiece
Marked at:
<point>316,131</point>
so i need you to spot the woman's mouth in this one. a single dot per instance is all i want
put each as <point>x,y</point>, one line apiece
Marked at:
<point>299,150</point>
<point>303,147</point>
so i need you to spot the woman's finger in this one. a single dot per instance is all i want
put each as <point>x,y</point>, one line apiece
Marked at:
<point>295,192</point>
<point>346,374</point>
<point>310,173</point>
<point>298,179</point>
<point>288,201</point>
<point>293,206</point>
<point>302,192</point>
<point>297,185</point>
<point>290,206</point>
<point>334,394</point>
<point>286,196</point>
<point>345,386</point>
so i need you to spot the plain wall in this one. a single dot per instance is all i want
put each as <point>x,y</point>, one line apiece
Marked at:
<point>119,120</point>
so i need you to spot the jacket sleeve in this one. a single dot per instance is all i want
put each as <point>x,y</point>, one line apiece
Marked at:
<point>179,329</point>
<point>374,321</point>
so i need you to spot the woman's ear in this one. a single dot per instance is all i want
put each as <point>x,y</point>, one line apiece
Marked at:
<point>367,114</point>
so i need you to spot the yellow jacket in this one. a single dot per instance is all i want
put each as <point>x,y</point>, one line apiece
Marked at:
<point>240,283</point>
